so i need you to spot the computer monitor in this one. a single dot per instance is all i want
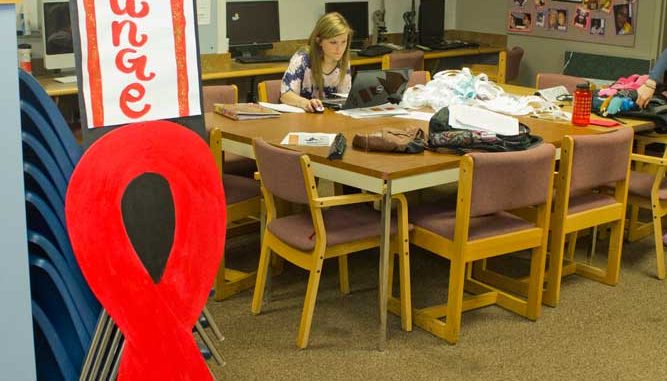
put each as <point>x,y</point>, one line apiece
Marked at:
<point>431,21</point>
<point>252,26</point>
<point>57,35</point>
<point>356,14</point>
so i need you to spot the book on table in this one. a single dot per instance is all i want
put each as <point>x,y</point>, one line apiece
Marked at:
<point>244,111</point>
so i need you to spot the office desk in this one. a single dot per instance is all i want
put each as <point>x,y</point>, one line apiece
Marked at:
<point>381,173</point>
<point>215,68</point>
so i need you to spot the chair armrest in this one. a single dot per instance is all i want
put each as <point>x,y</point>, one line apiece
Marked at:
<point>648,159</point>
<point>256,176</point>
<point>651,138</point>
<point>357,198</point>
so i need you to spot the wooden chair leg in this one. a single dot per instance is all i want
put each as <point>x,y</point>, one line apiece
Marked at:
<point>406,298</point>
<point>343,275</point>
<point>457,274</point>
<point>572,244</point>
<point>615,251</point>
<point>260,282</point>
<point>219,284</point>
<point>552,292</point>
<point>536,282</point>
<point>633,224</point>
<point>309,303</point>
<point>657,234</point>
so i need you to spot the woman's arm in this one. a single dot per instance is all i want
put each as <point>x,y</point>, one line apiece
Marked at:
<point>310,105</point>
<point>645,92</point>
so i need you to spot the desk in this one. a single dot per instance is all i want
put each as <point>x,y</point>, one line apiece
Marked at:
<point>215,67</point>
<point>380,173</point>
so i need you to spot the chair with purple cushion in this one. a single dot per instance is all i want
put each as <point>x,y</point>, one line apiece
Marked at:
<point>412,59</point>
<point>648,190</point>
<point>269,91</point>
<point>547,80</point>
<point>419,77</point>
<point>234,164</point>
<point>331,227</point>
<point>243,198</point>
<point>587,164</point>
<point>481,226</point>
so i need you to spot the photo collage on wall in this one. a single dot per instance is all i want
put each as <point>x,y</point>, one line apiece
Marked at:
<point>578,19</point>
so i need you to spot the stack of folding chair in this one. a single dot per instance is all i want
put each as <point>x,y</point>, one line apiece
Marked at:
<point>74,338</point>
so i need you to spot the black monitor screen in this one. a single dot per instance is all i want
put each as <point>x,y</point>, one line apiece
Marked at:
<point>250,22</point>
<point>57,29</point>
<point>431,20</point>
<point>356,14</point>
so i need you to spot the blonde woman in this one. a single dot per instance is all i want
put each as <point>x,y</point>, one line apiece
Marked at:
<point>321,68</point>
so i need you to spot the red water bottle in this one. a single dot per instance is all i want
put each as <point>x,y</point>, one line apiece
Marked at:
<point>581,106</point>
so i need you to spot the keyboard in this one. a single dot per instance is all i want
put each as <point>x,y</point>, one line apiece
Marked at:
<point>375,50</point>
<point>448,45</point>
<point>263,59</point>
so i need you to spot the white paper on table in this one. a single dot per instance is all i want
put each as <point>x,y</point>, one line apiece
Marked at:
<point>315,139</point>
<point>386,109</point>
<point>418,115</point>
<point>475,118</point>
<point>281,107</point>
<point>341,95</point>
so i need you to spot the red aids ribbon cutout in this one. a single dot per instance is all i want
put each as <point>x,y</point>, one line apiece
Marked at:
<point>156,319</point>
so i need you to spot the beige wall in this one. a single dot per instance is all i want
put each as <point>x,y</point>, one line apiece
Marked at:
<point>546,54</point>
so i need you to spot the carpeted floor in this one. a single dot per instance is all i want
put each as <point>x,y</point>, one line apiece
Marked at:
<point>597,333</point>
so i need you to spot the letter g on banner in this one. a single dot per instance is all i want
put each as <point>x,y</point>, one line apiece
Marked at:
<point>156,318</point>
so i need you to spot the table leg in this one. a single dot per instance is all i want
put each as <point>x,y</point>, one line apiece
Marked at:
<point>385,255</point>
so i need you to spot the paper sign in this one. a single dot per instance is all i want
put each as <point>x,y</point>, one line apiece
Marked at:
<point>203,12</point>
<point>139,60</point>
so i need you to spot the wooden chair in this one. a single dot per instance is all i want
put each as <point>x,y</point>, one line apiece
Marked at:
<point>332,227</point>
<point>648,190</point>
<point>587,163</point>
<point>419,77</point>
<point>269,91</point>
<point>243,197</point>
<point>219,94</point>
<point>514,57</point>
<point>234,164</point>
<point>412,59</point>
<point>546,80</point>
<point>490,185</point>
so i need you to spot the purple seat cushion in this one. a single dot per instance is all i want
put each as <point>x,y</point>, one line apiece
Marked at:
<point>641,183</point>
<point>441,219</point>
<point>343,224</point>
<point>586,201</point>
<point>238,188</point>
<point>239,165</point>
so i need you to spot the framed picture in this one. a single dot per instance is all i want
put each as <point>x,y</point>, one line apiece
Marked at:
<point>598,26</point>
<point>519,21</point>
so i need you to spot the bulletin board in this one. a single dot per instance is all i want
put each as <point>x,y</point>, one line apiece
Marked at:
<point>611,22</point>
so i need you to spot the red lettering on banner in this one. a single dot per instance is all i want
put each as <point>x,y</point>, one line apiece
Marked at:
<point>127,96</point>
<point>136,65</point>
<point>117,29</point>
<point>130,8</point>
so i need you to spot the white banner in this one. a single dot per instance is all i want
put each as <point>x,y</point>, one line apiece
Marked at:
<point>139,60</point>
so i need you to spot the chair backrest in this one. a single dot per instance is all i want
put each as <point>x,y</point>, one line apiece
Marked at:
<point>53,360</point>
<point>33,122</point>
<point>413,59</point>
<point>35,153</point>
<point>37,182</point>
<point>599,159</point>
<point>419,77</point>
<point>219,94</point>
<point>546,80</point>
<point>514,57</point>
<point>269,91</point>
<point>510,180</point>
<point>281,172</point>
<point>33,93</point>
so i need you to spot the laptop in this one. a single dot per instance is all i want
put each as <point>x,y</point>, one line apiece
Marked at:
<point>372,88</point>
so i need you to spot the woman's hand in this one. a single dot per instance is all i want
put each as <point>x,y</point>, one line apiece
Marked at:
<point>310,105</point>
<point>645,92</point>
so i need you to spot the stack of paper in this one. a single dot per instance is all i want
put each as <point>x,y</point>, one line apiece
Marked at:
<point>478,119</point>
<point>282,107</point>
<point>386,109</point>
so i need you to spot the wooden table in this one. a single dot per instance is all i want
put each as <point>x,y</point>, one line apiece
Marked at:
<point>213,68</point>
<point>381,173</point>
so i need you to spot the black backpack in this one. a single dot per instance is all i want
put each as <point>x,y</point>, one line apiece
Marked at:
<point>442,135</point>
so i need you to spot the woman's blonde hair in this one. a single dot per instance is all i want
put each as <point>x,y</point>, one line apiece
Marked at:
<point>328,26</point>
